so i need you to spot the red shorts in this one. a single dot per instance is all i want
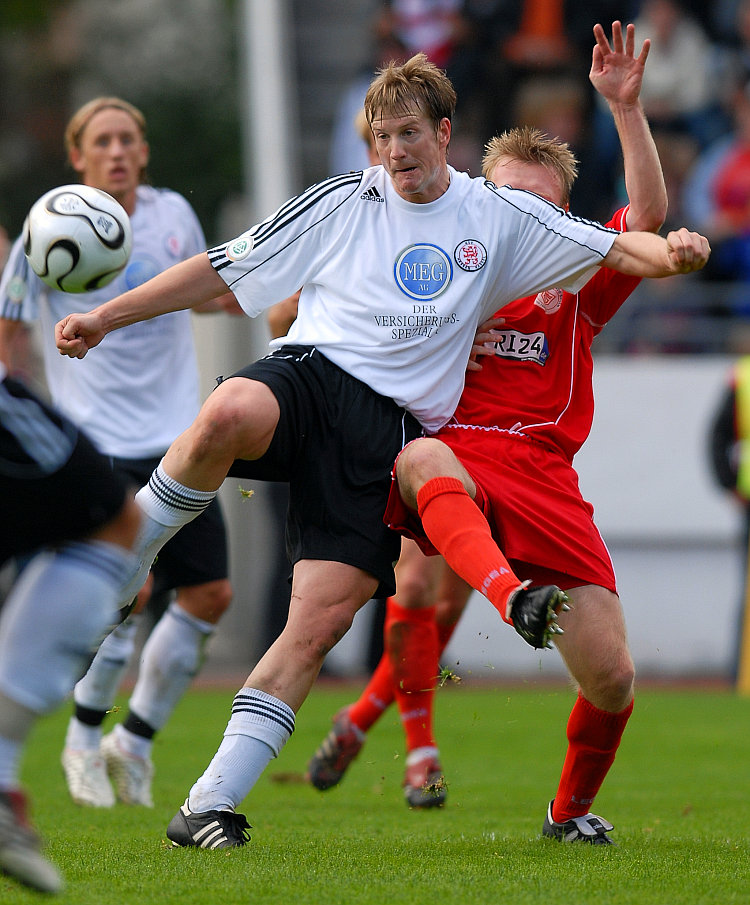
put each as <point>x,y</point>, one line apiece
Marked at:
<point>529,495</point>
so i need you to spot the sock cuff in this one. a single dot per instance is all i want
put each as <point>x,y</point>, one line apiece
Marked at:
<point>261,716</point>
<point>397,613</point>
<point>436,487</point>
<point>605,717</point>
<point>200,625</point>
<point>170,503</point>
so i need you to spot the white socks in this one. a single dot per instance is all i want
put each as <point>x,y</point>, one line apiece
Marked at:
<point>171,658</point>
<point>167,506</point>
<point>97,689</point>
<point>258,729</point>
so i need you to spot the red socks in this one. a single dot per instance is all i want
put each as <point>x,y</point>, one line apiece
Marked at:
<point>593,738</point>
<point>411,643</point>
<point>459,530</point>
<point>379,693</point>
<point>377,696</point>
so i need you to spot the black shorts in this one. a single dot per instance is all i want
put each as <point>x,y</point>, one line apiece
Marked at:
<point>55,485</point>
<point>335,443</point>
<point>197,553</point>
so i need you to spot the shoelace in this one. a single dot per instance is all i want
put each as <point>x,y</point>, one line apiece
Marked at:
<point>236,827</point>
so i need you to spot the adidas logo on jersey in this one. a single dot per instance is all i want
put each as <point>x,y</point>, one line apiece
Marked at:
<point>372,194</point>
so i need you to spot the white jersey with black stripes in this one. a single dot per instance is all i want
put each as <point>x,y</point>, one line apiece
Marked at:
<point>392,290</point>
<point>141,389</point>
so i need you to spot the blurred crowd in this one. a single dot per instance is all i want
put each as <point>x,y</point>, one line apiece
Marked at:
<point>527,62</point>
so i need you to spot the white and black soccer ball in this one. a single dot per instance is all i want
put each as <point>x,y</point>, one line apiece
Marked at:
<point>77,238</point>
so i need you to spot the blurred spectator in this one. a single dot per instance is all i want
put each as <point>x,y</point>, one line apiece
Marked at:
<point>530,40</point>
<point>717,194</point>
<point>729,450</point>
<point>347,150</point>
<point>442,29</point>
<point>679,92</point>
<point>680,97</point>
<point>449,33</point>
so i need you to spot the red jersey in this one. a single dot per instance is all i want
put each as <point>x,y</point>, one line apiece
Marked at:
<point>539,381</point>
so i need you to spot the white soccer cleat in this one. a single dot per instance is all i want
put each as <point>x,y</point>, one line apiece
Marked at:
<point>131,775</point>
<point>86,776</point>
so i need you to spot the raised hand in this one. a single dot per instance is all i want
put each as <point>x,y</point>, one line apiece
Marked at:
<point>616,73</point>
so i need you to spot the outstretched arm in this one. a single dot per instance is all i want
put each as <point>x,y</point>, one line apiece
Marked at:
<point>186,285</point>
<point>647,255</point>
<point>617,75</point>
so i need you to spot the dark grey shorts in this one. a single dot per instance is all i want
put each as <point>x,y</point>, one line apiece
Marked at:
<point>335,443</point>
<point>54,484</point>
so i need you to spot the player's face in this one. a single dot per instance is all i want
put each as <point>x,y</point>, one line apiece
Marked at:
<point>112,154</point>
<point>533,177</point>
<point>414,155</point>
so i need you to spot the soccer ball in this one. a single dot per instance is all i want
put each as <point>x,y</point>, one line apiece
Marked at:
<point>77,238</point>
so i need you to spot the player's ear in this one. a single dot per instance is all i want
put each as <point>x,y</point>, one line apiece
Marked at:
<point>145,154</point>
<point>76,159</point>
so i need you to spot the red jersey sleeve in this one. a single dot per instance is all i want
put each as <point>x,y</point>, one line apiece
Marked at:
<point>602,296</point>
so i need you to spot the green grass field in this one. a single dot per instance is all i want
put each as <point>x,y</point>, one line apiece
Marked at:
<point>678,796</point>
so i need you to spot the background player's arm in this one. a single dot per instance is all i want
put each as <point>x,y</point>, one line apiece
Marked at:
<point>9,330</point>
<point>282,315</point>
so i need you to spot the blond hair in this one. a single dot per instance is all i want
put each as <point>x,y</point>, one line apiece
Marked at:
<point>530,145</point>
<point>416,86</point>
<point>83,116</point>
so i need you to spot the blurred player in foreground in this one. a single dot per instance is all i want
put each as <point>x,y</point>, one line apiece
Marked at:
<point>132,400</point>
<point>60,497</point>
<point>519,423</point>
<point>399,264</point>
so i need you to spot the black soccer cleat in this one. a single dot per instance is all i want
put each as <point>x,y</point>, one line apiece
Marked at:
<point>589,828</point>
<point>208,829</point>
<point>533,613</point>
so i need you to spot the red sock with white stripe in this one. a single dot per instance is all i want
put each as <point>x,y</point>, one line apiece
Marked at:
<point>411,641</point>
<point>459,530</point>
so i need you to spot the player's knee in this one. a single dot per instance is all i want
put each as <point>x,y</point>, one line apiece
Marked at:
<point>414,590</point>
<point>328,630</point>
<point>422,460</point>
<point>612,688</point>
<point>207,601</point>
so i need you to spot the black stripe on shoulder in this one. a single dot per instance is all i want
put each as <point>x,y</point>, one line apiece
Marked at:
<point>563,213</point>
<point>291,211</point>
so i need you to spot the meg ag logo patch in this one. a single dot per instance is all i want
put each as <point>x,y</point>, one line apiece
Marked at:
<point>423,271</point>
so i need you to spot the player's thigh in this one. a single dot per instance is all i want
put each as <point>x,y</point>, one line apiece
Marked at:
<point>325,598</point>
<point>240,415</point>
<point>426,458</point>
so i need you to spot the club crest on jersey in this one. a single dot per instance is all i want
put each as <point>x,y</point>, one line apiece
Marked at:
<point>172,245</point>
<point>550,300</point>
<point>139,271</point>
<point>470,255</point>
<point>240,248</point>
<point>16,289</point>
<point>423,271</point>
